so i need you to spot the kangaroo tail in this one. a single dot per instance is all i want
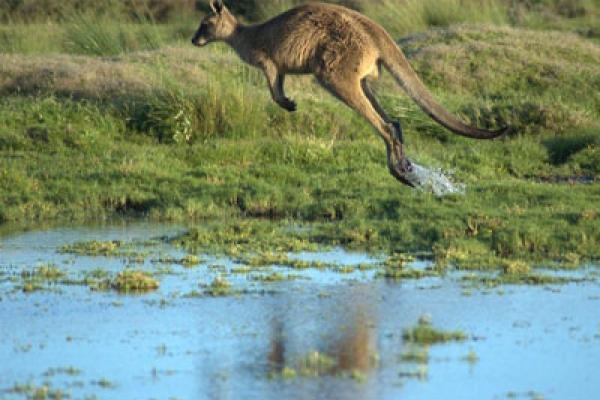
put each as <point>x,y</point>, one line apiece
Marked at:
<point>410,82</point>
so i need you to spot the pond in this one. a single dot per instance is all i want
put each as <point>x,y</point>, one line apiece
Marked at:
<point>67,330</point>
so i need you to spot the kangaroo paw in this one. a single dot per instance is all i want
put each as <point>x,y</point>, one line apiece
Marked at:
<point>288,104</point>
<point>405,165</point>
<point>398,172</point>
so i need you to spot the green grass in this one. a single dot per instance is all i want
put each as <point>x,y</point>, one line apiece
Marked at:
<point>423,334</point>
<point>159,129</point>
<point>130,281</point>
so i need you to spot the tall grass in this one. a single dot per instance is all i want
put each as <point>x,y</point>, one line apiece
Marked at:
<point>405,16</point>
<point>85,34</point>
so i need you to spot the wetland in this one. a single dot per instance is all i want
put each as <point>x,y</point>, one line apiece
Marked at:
<point>323,323</point>
<point>167,232</point>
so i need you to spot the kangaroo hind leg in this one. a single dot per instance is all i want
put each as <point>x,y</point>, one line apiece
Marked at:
<point>357,98</point>
<point>397,138</point>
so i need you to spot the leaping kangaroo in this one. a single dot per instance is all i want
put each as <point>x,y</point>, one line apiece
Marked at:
<point>341,48</point>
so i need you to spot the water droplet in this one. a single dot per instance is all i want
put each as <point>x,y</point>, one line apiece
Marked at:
<point>435,180</point>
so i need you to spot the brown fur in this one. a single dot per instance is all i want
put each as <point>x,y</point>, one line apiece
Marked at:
<point>341,48</point>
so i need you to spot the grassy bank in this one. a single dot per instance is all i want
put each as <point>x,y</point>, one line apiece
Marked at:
<point>159,129</point>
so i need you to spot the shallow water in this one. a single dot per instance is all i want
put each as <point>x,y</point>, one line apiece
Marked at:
<point>524,341</point>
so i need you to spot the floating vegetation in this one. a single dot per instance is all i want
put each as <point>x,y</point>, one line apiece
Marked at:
<point>134,281</point>
<point>241,269</point>
<point>415,357</point>
<point>281,259</point>
<point>44,272</point>
<point>72,371</point>
<point>109,248</point>
<point>317,364</point>
<point>400,273</point>
<point>398,260</point>
<point>530,278</point>
<point>471,357</point>
<point>104,383</point>
<point>219,287</point>
<point>97,279</point>
<point>33,391</point>
<point>92,248</point>
<point>40,276</point>
<point>191,260</point>
<point>275,277</point>
<point>421,372</point>
<point>415,354</point>
<point>424,334</point>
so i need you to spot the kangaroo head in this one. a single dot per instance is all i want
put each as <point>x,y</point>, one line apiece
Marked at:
<point>219,25</point>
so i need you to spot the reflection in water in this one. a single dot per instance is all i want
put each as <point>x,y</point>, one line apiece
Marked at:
<point>343,349</point>
<point>298,352</point>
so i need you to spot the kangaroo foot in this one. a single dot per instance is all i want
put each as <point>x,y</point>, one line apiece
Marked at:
<point>287,104</point>
<point>405,165</point>
<point>399,172</point>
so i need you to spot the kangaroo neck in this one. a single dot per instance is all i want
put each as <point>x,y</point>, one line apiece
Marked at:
<point>241,42</point>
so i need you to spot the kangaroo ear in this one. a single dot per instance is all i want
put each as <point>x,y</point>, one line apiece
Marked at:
<point>217,6</point>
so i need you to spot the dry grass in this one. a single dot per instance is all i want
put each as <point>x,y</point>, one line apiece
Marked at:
<point>96,78</point>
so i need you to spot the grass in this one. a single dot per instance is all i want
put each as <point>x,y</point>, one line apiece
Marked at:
<point>143,125</point>
<point>423,334</point>
<point>131,281</point>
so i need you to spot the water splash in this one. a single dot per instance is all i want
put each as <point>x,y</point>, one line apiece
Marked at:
<point>435,180</point>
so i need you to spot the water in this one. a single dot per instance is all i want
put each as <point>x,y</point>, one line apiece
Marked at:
<point>528,342</point>
<point>434,180</point>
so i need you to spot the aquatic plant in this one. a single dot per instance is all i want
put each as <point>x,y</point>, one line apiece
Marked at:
<point>41,276</point>
<point>191,260</point>
<point>424,334</point>
<point>220,287</point>
<point>415,354</point>
<point>134,281</point>
<point>92,248</point>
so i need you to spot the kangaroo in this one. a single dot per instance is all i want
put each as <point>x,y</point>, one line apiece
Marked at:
<point>341,48</point>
